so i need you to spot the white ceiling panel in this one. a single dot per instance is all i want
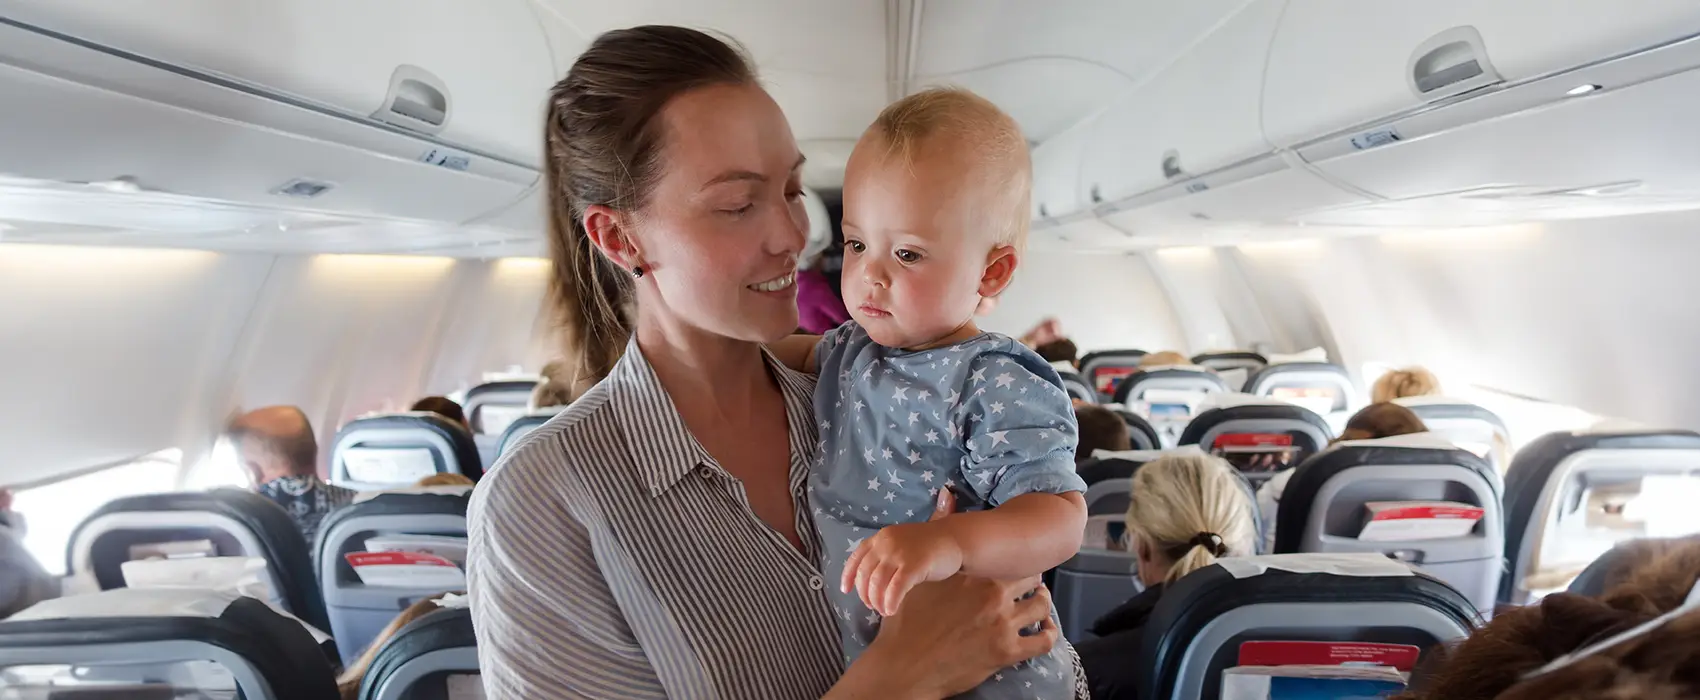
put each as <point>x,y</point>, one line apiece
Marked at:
<point>1051,64</point>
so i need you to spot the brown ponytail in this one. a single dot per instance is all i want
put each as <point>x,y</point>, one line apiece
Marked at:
<point>603,142</point>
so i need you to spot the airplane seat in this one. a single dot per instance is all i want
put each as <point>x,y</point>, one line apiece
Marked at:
<point>521,427</point>
<point>222,522</point>
<point>415,522</point>
<point>1140,433</point>
<point>1105,369</point>
<point>1597,578</point>
<point>1228,361</point>
<point>399,449</point>
<point>1571,496</point>
<point>1319,386</point>
<point>1466,424</point>
<point>170,642</point>
<point>1323,508</point>
<point>1076,385</point>
<point>431,658</point>
<point>490,407</point>
<point>1195,632</point>
<point>1168,397</point>
<point>1258,437</point>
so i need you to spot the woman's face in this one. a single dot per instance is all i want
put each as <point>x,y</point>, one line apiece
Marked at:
<point>722,230</point>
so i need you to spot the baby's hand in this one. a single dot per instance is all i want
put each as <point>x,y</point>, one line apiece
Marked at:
<point>884,567</point>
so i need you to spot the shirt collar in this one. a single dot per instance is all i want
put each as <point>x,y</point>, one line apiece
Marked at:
<point>662,448</point>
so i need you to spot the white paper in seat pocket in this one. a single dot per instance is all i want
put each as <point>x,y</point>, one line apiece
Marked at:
<point>466,687</point>
<point>240,575</point>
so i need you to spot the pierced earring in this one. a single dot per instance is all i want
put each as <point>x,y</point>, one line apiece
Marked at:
<point>637,271</point>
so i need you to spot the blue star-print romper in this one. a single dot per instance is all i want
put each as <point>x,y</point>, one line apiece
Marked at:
<point>986,418</point>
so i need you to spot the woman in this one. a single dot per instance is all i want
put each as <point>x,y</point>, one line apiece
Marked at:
<point>1187,511</point>
<point>652,541</point>
<point>1374,422</point>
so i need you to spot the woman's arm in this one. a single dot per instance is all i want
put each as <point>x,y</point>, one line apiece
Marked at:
<point>547,623</point>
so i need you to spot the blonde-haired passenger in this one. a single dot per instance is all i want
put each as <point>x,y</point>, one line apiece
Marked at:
<point>348,684</point>
<point>1186,512</point>
<point>1404,383</point>
<point>1165,358</point>
<point>445,479</point>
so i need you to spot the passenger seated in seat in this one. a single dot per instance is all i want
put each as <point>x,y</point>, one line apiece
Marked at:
<point>1165,358</point>
<point>1404,383</point>
<point>348,684</point>
<point>1100,429</point>
<point>1186,512</point>
<point>1494,661</point>
<point>444,407</point>
<point>277,447</point>
<point>1375,421</point>
<point>446,479</point>
<point>22,580</point>
<point>913,397</point>
<point>1060,350</point>
<point>550,394</point>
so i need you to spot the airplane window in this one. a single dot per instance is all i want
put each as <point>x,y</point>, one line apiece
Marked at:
<point>221,468</point>
<point>52,512</point>
<point>1605,511</point>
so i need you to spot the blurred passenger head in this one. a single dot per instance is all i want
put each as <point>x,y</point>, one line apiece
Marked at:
<point>1165,358</point>
<point>444,407</point>
<point>1059,350</point>
<point>1381,420</point>
<point>1404,383</point>
<point>550,394</point>
<point>274,442</point>
<point>446,479</point>
<point>1100,429</point>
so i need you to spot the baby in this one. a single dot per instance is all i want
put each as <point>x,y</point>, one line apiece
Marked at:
<point>914,398</point>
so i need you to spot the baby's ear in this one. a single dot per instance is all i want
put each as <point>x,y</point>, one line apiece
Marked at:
<point>1000,269</point>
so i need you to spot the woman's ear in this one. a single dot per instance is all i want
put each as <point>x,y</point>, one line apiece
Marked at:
<point>1000,269</point>
<point>608,232</point>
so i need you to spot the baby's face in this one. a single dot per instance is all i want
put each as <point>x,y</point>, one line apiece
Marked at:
<point>916,254</point>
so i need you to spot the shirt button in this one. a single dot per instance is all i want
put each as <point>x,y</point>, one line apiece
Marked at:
<point>704,472</point>
<point>815,583</point>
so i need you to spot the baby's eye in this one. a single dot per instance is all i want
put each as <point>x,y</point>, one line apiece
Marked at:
<point>855,246</point>
<point>909,257</point>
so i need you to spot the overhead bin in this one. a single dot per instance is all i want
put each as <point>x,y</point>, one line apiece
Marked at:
<point>1198,114</point>
<point>1275,188</point>
<point>1338,64</point>
<point>1613,138</point>
<point>388,109</point>
<point>1056,175</point>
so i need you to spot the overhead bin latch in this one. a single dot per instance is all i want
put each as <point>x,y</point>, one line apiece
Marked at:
<point>1450,63</point>
<point>416,101</point>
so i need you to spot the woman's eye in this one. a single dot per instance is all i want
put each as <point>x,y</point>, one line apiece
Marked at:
<point>740,211</point>
<point>908,256</point>
<point>794,195</point>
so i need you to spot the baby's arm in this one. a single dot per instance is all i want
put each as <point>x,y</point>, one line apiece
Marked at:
<point>1027,536</point>
<point>796,352</point>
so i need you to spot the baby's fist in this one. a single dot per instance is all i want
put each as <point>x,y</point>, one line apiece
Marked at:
<point>884,567</point>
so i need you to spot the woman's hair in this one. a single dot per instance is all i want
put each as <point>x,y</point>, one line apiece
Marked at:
<point>348,684</point>
<point>1163,359</point>
<point>1193,509</point>
<point>1495,658</point>
<point>603,143</point>
<point>442,406</point>
<point>446,479</point>
<point>1381,420</point>
<point>1403,383</point>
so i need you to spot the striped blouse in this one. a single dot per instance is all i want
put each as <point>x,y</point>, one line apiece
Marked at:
<point>611,557</point>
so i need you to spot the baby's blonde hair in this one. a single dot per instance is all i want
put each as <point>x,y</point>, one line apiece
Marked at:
<point>1178,498</point>
<point>1404,383</point>
<point>962,121</point>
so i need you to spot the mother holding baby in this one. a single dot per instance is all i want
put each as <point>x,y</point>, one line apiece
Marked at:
<point>655,540</point>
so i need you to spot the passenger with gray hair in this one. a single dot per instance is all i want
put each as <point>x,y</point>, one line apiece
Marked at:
<point>277,448</point>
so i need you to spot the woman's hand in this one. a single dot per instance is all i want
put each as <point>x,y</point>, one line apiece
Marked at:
<point>950,636</point>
